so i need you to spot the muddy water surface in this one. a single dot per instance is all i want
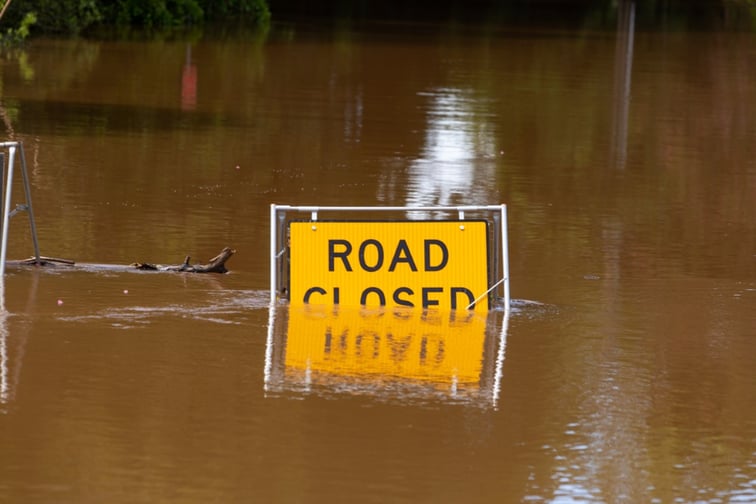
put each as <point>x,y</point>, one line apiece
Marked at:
<point>624,373</point>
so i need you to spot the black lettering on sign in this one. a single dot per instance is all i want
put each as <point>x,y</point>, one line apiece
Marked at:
<point>461,290</point>
<point>379,255</point>
<point>427,301</point>
<point>341,253</point>
<point>402,254</point>
<point>372,255</point>
<point>320,290</point>
<point>310,292</point>
<point>444,255</point>
<point>373,290</point>
<point>400,301</point>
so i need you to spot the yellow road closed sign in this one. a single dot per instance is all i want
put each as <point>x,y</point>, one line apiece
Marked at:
<point>426,264</point>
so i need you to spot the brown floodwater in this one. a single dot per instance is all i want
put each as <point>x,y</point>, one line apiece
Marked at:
<point>624,372</point>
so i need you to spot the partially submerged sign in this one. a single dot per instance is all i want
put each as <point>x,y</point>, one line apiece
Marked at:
<point>445,264</point>
<point>439,264</point>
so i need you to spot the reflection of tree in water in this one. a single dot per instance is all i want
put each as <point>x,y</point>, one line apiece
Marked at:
<point>70,63</point>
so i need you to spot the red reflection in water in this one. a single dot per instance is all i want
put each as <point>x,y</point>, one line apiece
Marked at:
<point>189,82</point>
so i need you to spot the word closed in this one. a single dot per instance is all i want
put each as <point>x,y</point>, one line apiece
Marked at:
<point>439,264</point>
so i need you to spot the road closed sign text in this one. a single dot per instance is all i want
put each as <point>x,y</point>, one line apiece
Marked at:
<point>426,264</point>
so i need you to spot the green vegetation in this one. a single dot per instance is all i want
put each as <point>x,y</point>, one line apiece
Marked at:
<point>13,36</point>
<point>92,17</point>
<point>75,17</point>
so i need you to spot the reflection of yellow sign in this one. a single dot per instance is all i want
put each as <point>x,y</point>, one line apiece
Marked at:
<point>436,264</point>
<point>397,342</point>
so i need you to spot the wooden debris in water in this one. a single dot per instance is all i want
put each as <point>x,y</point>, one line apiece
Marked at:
<point>215,265</point>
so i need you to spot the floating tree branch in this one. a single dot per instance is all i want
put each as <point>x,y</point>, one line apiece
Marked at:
<point>215,265</point>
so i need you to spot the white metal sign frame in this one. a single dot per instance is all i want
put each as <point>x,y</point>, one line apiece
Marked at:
<point>5,198</point>
<point>278,245</point>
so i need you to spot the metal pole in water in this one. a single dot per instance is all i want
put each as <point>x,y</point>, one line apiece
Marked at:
<point>273,251</point>
<point>268,372</point>
<point>29,208</point>
<point>505,255</point>
<point>6,209</point>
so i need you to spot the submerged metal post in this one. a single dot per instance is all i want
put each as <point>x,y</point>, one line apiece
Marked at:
<point>7,191</point>
<point>273,254</point>
<point>29,208</point>
<point>6,208</point>
<point>505,255</point>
